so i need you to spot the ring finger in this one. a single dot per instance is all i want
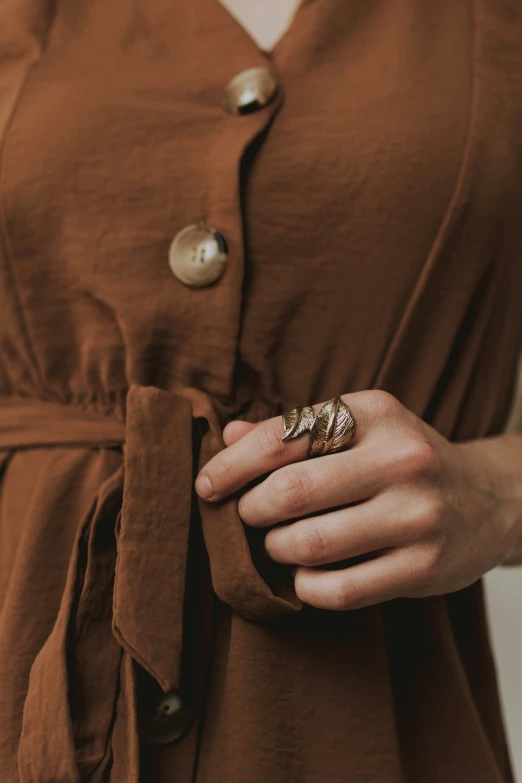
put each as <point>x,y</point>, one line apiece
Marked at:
<point>371,526</point>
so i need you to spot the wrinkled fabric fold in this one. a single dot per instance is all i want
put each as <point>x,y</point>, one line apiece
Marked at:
<point>66,728</point>
<point>125,590</point>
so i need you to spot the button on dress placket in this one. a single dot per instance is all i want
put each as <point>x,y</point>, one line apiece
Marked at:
<point>198,253</point>
<point>139,526</point>
<point>198,257</point>
<point>250,90</point>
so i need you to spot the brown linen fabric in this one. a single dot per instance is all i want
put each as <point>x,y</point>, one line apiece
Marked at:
<point>372,217</point>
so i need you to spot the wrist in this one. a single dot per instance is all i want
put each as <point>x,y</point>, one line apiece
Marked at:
<point>497,464</point>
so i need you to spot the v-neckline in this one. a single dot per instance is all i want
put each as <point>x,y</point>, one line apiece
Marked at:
<point>282,43</point>
<point>246,17</point>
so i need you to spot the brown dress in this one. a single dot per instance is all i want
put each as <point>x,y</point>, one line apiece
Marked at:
<point>371,214</point>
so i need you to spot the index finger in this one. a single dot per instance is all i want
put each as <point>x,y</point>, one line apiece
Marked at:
<point>261,450</point>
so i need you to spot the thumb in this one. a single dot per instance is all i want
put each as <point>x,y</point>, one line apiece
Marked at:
<point>235,430</point>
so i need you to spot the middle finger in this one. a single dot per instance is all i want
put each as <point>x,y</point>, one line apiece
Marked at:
<point>314,485</point>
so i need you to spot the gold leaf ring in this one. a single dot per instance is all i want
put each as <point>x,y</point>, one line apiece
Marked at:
<point>330,431</point>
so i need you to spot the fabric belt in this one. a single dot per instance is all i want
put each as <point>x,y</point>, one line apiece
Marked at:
<point>124,596</point>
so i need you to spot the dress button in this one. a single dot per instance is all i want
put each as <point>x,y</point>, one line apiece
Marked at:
<point>250,91</point>
<point>198,255</point>
<point>164,719</point>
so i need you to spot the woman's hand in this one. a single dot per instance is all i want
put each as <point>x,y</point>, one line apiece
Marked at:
<point>432,516</point>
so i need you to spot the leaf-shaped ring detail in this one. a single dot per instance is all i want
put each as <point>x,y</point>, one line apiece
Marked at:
<point>330,431</point>
<point>297,420</point>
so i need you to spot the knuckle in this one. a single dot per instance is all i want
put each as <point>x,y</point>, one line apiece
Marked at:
<point>268,440</point>
<point>290,490</point>
<point>426,457</point>
<point>347,595</point>
<point>383,404</point>
<point>429,516</point>
<point>417,457</point>
<point>429,566</point>
<point>310,546</point>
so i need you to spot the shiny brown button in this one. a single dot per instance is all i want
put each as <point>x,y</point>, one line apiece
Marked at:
<point>250,91</point>
<point>198,255</point>
<point>164,719</point>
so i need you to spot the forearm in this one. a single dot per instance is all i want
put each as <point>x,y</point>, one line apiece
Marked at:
<point>499,458</point>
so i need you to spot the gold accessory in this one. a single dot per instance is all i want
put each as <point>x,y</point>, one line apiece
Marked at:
<point>330,431</point>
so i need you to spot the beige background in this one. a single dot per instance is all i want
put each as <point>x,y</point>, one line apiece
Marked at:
<point>504,592</point>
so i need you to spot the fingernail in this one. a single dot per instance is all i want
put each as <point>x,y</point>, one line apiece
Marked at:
<point>204,486</point>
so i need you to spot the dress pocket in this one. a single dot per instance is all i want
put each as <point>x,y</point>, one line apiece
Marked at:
<point>74,681</point>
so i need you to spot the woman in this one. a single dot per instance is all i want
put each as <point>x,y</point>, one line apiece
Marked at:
<point>198,236</point>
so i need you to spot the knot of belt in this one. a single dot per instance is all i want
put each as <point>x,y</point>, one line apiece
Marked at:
<point>123,601</point>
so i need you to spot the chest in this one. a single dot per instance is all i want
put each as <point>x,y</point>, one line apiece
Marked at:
<point>394,141</point>
<point>266,22</point>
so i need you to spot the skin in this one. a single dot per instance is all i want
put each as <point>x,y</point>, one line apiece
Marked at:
<point>429,515</point>
<point>266,21</point>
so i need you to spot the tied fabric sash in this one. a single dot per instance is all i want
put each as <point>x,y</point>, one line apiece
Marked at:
<point>124,595</point>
